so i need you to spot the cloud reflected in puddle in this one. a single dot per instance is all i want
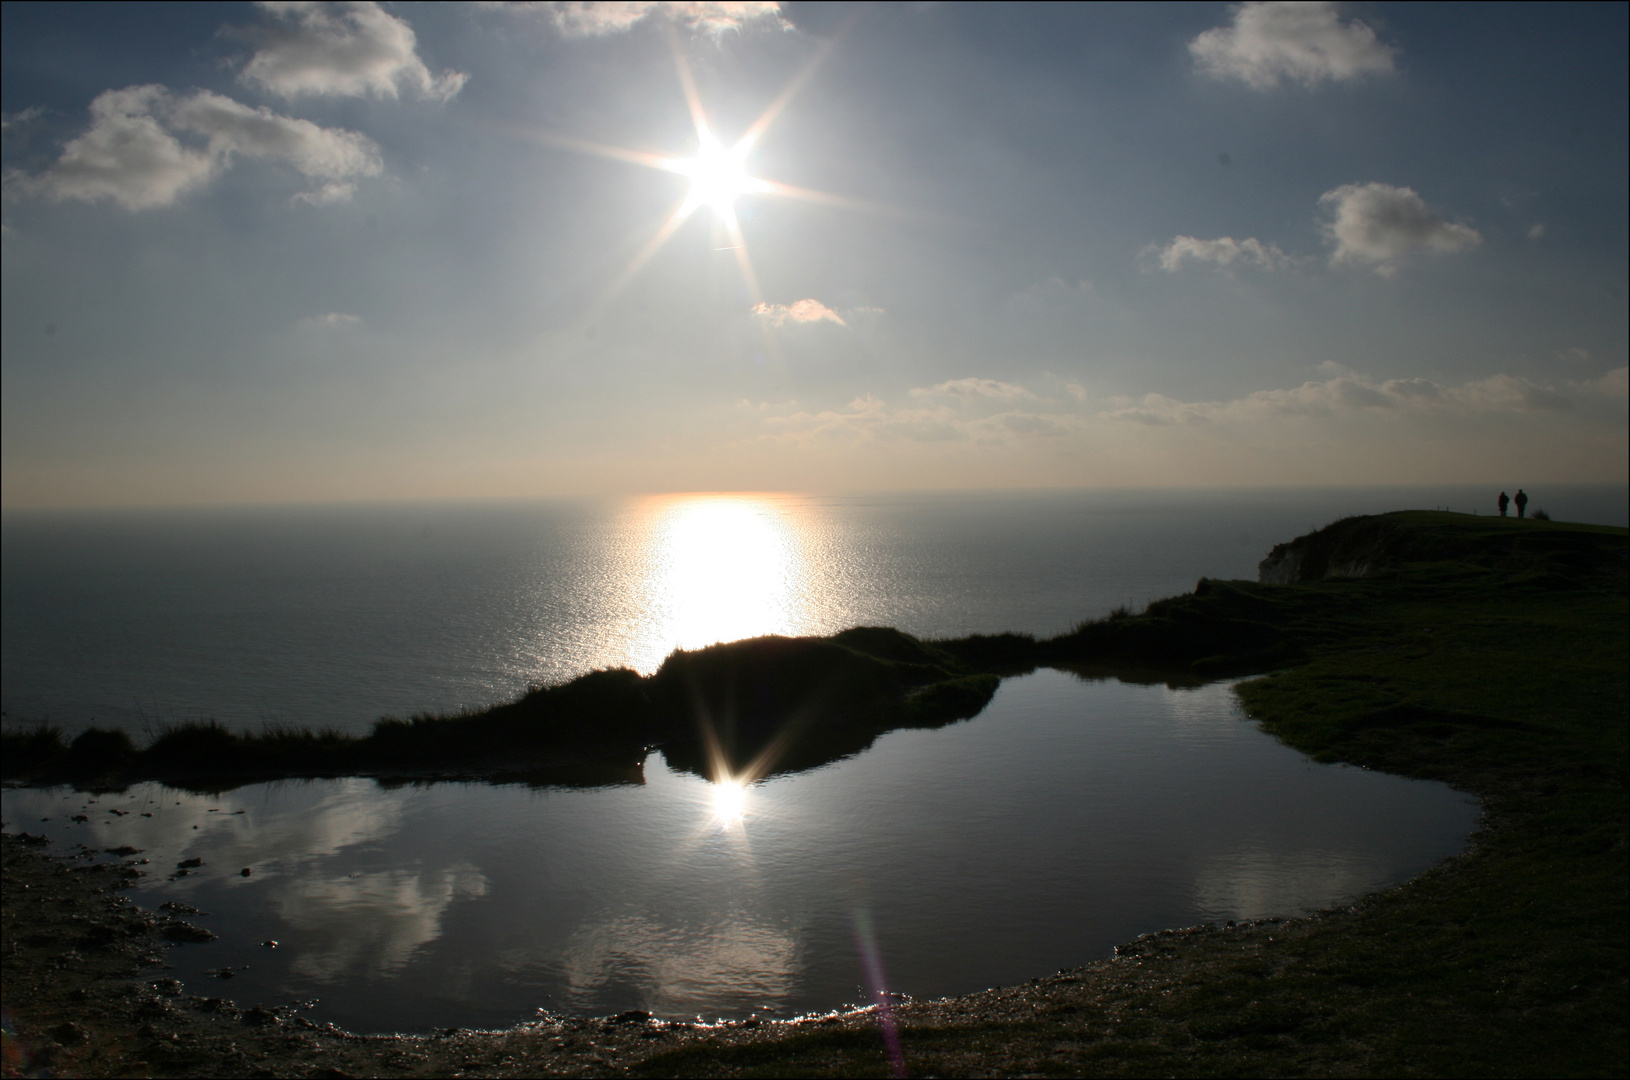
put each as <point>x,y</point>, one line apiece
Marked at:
<point>679,970</point>
<point>369,922</point>
<point>1253,883</point>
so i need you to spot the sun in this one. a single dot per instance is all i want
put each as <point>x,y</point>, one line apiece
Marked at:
<point>718,177</point>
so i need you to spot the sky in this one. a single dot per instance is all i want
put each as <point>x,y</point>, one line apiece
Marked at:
<point>290,252</point>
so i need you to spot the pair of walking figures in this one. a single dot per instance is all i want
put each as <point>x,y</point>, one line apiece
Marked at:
<point>1521,500</point>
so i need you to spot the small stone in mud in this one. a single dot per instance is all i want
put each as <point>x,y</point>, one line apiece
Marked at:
<point>175,907</point>
<point>268,944</point>
<point>180,931</point>
<point>246,871</point>
<point>187,864</point>
<point>81,818</point>
<point>123,849</point>
<point>68,1034</point>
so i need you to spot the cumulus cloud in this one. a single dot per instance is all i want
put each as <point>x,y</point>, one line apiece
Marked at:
<point>133,153</point>
<point>342,49</point>
<point>799,312</point>
<point>576,18</point>
<point>1376,225</point>
<point>1304,42</point>
<point>127,156</point>
<point>234,128</point>
<point>1224,251</point>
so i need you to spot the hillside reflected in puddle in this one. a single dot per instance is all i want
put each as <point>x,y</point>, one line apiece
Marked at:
<point>1069,816</point>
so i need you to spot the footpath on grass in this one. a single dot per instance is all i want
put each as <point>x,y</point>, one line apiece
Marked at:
<point>1491,654</point>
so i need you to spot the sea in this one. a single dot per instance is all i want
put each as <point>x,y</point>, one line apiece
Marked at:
<point>337,615</point>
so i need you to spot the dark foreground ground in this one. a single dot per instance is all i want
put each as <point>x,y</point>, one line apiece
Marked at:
<point>1489,654</point>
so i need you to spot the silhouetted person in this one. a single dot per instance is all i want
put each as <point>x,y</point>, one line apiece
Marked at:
<point>1522,502</point>
<point>1505,501</point>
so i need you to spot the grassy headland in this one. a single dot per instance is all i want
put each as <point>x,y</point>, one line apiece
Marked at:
<point>1488,653</point>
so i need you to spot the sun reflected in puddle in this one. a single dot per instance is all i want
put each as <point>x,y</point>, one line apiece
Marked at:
<point>729,802</point>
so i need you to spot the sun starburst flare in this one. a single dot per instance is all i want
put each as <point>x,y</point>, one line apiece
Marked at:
<point>718,177</point>
<point>718,174</point>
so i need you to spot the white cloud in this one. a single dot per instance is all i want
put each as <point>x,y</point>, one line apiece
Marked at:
<point>1377,224</point>
<point>344,49</point>
<point>576,18</point>
<point>1304,42</point>
<point>1343,427</point>
<point>333,320</point>
<point>8,124</point>
<point>973,409</point>
<point>1615,384</point>
<point>971,389</point>
<point>1536,231</point>
<point>1349,393</point>
<point>1224,251</point>
<point>127,156</point>
<point>133,155</point>
<point>235,128</point>
<point>799,312</point>
<point>991,412</point>
<point>331,192</point>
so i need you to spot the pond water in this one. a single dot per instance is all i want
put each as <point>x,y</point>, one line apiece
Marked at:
<point>1069,816</point>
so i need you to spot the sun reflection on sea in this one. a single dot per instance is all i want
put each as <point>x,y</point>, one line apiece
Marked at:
<point>718,568</point>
